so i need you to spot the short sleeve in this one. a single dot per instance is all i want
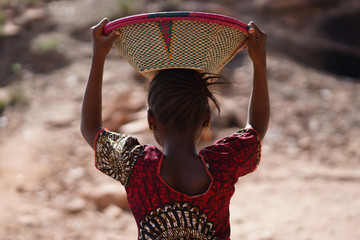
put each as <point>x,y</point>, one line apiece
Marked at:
<point>235,155</point>
<point>247,158</point>
<point>116,154</point>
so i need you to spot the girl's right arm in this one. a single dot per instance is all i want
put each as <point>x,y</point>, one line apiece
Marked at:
<point>91,118</point>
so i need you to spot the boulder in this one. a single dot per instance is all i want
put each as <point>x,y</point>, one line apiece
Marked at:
<point>75,206</point>
<point>109,194</point>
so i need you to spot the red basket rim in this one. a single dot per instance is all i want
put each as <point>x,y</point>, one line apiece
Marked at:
<point>163,16</point>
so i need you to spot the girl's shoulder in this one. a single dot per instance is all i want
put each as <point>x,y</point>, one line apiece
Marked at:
<point>237,154</point>
<point>242,139</point>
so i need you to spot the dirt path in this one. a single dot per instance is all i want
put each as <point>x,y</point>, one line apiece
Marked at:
<point>284,199</point>
<point>306,187</point>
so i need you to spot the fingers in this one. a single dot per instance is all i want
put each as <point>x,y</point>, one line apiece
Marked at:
<point>253,26</point>
<point>255,34</point>
<point>252,34</point>
<point>256,29</point>
<point>113,36</point>
<point>97,29</point>
<point>257,44</point>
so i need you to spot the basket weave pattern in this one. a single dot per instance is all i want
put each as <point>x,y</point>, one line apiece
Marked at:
<point>180,43</point>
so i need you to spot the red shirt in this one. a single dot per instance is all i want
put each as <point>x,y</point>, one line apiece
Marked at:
<point>164,213</point>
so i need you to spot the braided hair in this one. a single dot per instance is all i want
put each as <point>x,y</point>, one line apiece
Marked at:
<point>179,97</point>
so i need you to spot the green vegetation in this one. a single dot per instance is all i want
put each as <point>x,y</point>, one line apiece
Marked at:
<point>3,105</point>
<point>46,44</point>
<point>130,7</point>
<point>2,20</point>
<point>127,7</point>
<point>16,68</point>
<point>15,96</point>
<point>12,3</point>
<point>7,2</point>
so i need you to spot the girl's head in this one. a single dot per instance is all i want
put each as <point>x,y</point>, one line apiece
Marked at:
<point>178,99</point>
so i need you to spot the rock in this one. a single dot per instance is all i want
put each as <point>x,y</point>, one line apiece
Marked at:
<point>121,111</point>
<point>110,194</point>
<point>75,206</point>
<point>3,122</point>
<point>334,45</point>
<point>30,15</point>
<point>305,143</point>
<point>76,173</point>
<point>60,120</point>
<point>138,126</point>
<point>136,101</point>
<point>113,211</point>
<point>231,115</point>
<point>29,220</point>
<point>10,29</point>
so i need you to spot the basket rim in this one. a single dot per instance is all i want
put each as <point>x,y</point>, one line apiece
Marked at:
<point>176,15</point>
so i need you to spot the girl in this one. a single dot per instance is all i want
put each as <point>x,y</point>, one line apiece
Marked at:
<point>177,192</point>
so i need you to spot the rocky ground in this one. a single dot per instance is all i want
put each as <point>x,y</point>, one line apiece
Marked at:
<point>306,187</point>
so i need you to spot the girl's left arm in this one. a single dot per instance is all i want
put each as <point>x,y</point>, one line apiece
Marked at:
<point>259,106</point>
<point>91,117</point>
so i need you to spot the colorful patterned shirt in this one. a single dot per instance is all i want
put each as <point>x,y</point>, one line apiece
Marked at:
<point>160,211</point>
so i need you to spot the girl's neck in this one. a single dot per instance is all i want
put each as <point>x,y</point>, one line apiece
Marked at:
<point>179,145</point>
<point>176,143</point>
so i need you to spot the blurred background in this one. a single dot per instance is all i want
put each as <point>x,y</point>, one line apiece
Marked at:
<point>307,185</point>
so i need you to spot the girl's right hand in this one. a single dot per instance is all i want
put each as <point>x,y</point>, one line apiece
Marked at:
<point>101,43</point>
<point>257,45</point>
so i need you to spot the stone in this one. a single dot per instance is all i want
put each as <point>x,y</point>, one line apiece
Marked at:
<point>30,15</point>
<point>28,220</point>
<point>110,194</point>
<point>76,205</point>
<point>138,126</point>
<point>113,211</point>
<point>60,120</point>
<point>10,29</point>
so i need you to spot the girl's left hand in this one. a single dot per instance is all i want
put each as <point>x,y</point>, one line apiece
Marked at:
<point>257,45</point>
<point>101,43</point>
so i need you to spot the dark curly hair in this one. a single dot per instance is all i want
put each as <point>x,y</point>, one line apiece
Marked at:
<point>179,97</point>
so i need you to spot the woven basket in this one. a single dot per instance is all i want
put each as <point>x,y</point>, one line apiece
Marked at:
<point>201,41</point>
